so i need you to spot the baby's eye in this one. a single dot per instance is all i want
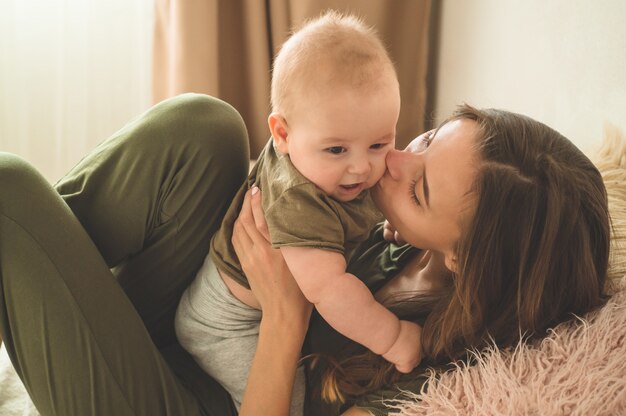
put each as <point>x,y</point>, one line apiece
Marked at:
<point>377,146</point>
<point>336,150</point>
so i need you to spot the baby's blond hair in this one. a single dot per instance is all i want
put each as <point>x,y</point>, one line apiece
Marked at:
<point>331,51</point>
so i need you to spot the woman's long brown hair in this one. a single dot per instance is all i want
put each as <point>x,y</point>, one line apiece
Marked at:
<point>535,253</point>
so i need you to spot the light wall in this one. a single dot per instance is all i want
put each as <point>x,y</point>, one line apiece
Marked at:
<point>562,62</point>
<point>72,72</point>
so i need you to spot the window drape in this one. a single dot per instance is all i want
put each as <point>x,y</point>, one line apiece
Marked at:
<point>225,48</point>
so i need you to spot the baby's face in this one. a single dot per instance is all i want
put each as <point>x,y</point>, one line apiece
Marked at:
<point>339,142</point>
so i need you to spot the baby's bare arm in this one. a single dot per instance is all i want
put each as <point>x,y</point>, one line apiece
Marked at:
<point>341,298</point>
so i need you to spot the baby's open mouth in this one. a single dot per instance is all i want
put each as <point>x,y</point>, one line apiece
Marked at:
<point>351,186</point>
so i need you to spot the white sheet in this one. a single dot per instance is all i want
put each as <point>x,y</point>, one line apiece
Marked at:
<point>14,400</point>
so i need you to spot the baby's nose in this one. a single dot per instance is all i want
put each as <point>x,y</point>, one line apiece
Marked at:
<point>360,166</point>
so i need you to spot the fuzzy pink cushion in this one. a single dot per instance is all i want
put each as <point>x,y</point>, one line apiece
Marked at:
<point>579,369</point>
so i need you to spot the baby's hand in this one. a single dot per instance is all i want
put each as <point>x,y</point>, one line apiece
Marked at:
<point>390,234</point>
<point>406,352</point>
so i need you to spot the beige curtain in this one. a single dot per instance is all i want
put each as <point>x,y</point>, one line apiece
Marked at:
<point>225,48</point>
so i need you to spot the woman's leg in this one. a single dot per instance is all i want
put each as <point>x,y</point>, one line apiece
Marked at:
<point>74,337</point>
<point>152,196</point>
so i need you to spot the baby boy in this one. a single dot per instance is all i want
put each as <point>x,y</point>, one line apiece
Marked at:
<point>335,105</point>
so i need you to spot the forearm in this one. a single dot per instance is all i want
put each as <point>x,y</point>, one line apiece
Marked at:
<point>271,378</point>
<point>285,318</point>
<point>349,307</point>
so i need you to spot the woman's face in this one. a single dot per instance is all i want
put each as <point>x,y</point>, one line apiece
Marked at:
<point>425,192</point>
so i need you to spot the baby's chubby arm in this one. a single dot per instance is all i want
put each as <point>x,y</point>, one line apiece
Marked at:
<point>349,307</point>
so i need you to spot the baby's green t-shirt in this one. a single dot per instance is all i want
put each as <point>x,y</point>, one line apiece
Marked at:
<point>297,212</point>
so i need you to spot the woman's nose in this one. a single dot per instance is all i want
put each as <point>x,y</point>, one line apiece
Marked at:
<point>400,163</point>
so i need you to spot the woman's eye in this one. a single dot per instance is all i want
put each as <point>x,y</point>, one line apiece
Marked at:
<point>412,193</point>
<point>336,150</point>
<point>428,139</point>
<point>425,141</point>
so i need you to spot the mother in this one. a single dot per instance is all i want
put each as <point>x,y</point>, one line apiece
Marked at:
<point>510,218</point>
<point>513,225</point>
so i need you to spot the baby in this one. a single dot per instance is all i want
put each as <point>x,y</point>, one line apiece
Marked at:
<point>335,105</point>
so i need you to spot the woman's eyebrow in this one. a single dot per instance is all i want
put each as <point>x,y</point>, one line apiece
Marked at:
<point>425,188</point>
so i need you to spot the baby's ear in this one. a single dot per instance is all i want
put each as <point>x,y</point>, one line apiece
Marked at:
<point>279,130</point>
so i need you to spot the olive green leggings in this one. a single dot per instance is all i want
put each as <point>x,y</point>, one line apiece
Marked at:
<point>91,269</point>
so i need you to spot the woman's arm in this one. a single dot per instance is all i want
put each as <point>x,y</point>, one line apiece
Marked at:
<point>285,318</point>
<point>270,382</point>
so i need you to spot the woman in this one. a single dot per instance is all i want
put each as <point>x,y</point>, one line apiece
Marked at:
<point>515,221</point>
<point>511,216</point>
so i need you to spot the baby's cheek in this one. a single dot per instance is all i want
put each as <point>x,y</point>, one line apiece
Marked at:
<point>379,169</point>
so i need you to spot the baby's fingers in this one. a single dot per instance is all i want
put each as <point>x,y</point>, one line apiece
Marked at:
<point>404,368</point>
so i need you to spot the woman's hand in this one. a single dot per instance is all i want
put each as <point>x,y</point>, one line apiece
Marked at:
<point>285,318</point>
<point>270,279</point>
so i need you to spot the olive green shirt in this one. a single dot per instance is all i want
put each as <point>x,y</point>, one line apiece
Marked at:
<point>298,214</point>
